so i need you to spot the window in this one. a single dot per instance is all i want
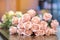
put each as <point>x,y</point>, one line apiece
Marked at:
<point>53,6</point>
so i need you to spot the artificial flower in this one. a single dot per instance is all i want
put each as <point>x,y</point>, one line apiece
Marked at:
<point>18,14</point>
<point>31,12</point>
<point>28,32</point>
<point>35,19</point>
<point>26,17</point>
<point>27,25</point>
<point>54,24</point>
<point>11,13</point>
<point>35,27</point>
<point>40,33</point>
<point>15,20</point>
<point>43,25</point>
<point>47,16</point>
<point>13,30</point>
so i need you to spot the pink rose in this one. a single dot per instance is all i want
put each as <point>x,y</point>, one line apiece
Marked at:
<point>28,32</point>
<point>26,17</point>
<point>50,31</point>
<point>20,25</point>
<point>27,25</point>
<point>47,31</point>
<point>40,32</point>
<point>21,31</point>
<point>54,24</point>
<point>13,30</point>
<point>47,16</point>
<point>35,27</point>
<point>20,21</point>
<point>31,12</point>
<point>43,25</point>
<point>14,20</point>
<point>35,19</point>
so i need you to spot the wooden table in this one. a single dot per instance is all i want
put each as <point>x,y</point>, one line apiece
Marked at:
<point>18,37</point>
<point>4,34</point>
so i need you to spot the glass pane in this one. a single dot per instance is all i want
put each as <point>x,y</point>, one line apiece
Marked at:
<point>54,5</point>
<point>54,14</point>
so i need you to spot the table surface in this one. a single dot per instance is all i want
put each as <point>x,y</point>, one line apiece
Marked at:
<point>17,37</point>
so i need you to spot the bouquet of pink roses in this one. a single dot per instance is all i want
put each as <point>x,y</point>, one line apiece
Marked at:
<point>30,24</point>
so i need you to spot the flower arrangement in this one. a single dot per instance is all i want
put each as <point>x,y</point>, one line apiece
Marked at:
<point>31,24</point>
<point>7,19</point>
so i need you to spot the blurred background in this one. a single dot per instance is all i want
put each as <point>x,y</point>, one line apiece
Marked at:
<point>53,6</point>
<point>23,5</point>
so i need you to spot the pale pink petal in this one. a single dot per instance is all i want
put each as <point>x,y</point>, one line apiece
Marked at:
<point>43,25</point>
<point>35,27</point>
<point>21,31</point>
<point>13,30</point>
<point>35,19</point>
<point>31,12</point>
<point>14,20</point>
<point>26,17</point>
<point>27,25</point>
<point>47,16</point>
<point>28,32</point>
<point>40,32</point>
<point>50,31</point>
<point>20,25</point>
<point>54,23</point>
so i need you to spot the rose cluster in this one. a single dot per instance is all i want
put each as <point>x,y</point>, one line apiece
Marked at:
<point>29,23</point>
